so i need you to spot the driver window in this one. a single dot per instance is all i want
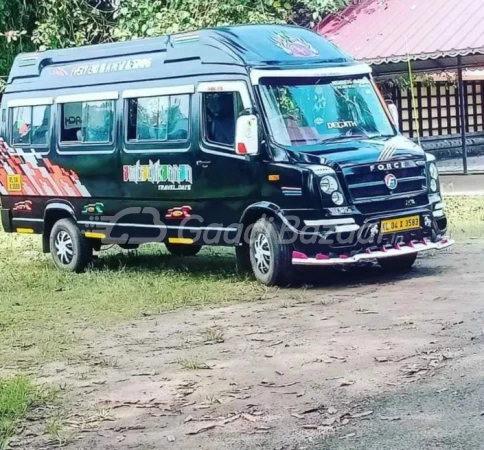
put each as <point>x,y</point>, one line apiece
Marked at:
<point>220,113</point>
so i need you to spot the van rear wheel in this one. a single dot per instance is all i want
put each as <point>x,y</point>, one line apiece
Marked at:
<point>398,263</point>
<point>183,249</point>
<point>270,257</point>
<point>70,250</point>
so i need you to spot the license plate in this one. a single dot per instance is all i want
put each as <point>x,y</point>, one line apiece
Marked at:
<point>403,224</point>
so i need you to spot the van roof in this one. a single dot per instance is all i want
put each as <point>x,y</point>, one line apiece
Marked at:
<point>260,46</point>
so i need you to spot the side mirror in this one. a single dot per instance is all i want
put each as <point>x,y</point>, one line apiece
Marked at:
<point>247,135</point>
<point>394,112</point>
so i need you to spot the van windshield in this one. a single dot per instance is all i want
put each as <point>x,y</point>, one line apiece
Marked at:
<point>308,111</point>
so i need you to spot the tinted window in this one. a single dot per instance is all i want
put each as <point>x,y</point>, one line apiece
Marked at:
<point>159,118</point>
<point>87,122</point>
<point>221,111</point>
<point>30,125</point>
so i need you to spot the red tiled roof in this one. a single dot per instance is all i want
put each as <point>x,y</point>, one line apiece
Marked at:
<point>386,31</point>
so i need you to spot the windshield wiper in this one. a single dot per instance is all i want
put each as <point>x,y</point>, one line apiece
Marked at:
<point>344,136</point>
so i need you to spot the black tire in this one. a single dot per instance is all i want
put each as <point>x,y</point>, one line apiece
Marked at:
<point>183,249</point>
<point>70,250</point>
<point>243,267</point>
<point>398,263</point>
<point>275,267</point>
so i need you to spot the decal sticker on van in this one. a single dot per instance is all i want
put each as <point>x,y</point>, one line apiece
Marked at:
<point>31,174</point>
<point>93,208</point>
<point>298,47</point>
<point>179,212</point>
<point>168,177</point>
<point>25,206</point>
<point>14,183</point>
<point>100,68</point>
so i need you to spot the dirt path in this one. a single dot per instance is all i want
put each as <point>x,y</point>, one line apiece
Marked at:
<point>321,367</point>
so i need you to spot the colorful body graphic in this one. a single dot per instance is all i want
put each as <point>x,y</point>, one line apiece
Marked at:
<point>297,47</point>
<point>93,208</point>
<point>30,174</point>
<point>25,206</point>
<point>179,213</point>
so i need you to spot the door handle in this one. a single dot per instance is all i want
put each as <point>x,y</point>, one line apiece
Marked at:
<point>203,163</point>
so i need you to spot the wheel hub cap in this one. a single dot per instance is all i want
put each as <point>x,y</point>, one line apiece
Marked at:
<point>262,253</point>
<point>64,247</point>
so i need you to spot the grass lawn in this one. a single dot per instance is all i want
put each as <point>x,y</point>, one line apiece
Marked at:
<point>17,394</point>
<point>43,311</point>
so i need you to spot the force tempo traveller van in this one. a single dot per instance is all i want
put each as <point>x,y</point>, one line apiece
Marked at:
<point>265,138</point>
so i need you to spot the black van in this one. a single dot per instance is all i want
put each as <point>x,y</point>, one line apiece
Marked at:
<point>266,138</point>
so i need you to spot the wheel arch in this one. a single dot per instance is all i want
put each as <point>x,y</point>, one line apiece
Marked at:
<point>260,209</point>
<point>55,211</point>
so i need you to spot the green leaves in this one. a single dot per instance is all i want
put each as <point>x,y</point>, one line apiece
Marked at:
<point>43,24</point>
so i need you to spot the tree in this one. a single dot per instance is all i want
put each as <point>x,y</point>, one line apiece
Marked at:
<point>40,24</point>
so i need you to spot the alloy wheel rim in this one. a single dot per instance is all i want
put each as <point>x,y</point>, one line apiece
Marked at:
<point>262,254</point>
<point>64,247</point>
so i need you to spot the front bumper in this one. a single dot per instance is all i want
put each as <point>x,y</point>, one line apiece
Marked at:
<point>300,259</point>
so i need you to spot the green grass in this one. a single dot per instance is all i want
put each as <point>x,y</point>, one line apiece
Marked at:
<point>43,310</point>
<point>17,395</point>
<point>466,216</point>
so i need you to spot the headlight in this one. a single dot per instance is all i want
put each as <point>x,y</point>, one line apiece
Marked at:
<point>329,184</point>
<point>338,198</point>
<point>434,173</point>
<point>433,185</point>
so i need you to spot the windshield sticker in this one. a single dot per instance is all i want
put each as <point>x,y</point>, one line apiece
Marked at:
<point>111,67</point>
<point>345,124</point>
<point>297,47</point>
<point>168,177</point>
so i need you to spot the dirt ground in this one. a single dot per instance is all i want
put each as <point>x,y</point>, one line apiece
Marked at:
<point>357,360</point>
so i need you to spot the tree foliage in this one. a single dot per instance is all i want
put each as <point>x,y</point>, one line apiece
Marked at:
<point>27,25</point>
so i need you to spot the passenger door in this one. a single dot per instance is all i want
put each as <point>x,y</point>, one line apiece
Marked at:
<point>226,183</point>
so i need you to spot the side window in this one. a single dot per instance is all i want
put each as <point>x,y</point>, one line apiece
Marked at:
<point>30,125</point>
<point>87,122</point>
<point>220,113</point>
<point>164,118</point>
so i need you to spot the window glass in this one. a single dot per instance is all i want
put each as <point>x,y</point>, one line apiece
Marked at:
<point>87,122</point>
<point>163,118</point>
<point>40,124</point>
<point>221,111</point>
<point>30,125</point>
<point>22,124</point>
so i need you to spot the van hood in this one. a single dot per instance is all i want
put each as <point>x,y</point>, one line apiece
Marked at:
<point>359,152</point>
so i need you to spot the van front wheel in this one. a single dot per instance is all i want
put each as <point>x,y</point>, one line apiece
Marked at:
<point>70,250</point>
<point>270,256</point>
<point>183,249</point>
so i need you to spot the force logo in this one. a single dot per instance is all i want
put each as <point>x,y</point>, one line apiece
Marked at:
<point>168,177</point>
<point>179,212</point>
<point>391,181</point>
